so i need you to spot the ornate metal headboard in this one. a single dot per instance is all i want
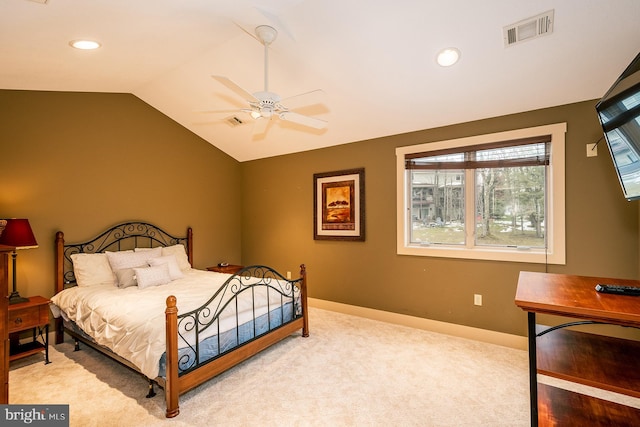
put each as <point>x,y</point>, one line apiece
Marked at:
<point>120,237</point>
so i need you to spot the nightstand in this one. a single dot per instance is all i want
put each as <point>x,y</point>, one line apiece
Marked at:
<point>229,269</point>
<point>34,315</point>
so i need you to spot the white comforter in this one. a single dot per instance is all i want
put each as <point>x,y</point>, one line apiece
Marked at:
<point>131,321</point>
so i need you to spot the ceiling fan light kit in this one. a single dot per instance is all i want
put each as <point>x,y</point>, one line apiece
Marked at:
<point>266,104</point>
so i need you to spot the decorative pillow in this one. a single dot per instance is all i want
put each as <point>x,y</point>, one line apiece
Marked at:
<point>92,269</point>
<point>152,276</point>
<point>172,263</point>
<point>126,277</point>
<point>131,259</point>
<point>181,255</point>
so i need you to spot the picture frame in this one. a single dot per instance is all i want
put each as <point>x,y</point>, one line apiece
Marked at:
<point>339,205</point>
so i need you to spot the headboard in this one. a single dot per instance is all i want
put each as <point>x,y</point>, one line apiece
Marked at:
<point>128,235</point>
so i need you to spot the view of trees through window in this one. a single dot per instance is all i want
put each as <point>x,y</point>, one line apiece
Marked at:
<point>509,203</point>
<point>438,211</point>
<point>510,206</point>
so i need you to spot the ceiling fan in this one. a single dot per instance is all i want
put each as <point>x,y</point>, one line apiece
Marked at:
<point>265,104</point>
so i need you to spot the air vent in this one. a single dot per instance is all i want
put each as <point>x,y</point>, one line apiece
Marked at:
<point>527,29</point>
<point>234,121</point>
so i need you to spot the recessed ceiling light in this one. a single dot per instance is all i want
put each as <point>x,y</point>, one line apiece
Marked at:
<point>84,44</point>
<point>449,56</point>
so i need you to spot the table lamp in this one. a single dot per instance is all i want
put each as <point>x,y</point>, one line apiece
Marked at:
<point>17,233</point>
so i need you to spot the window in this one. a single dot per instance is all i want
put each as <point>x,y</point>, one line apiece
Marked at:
<point>498,196</point>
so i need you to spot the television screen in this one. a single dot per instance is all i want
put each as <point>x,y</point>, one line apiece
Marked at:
<point>619,114</point>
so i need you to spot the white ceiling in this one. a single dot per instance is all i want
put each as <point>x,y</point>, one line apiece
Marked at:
<point>374,60</point>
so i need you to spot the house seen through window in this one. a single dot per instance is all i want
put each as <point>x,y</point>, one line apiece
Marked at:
<point>490,197</point>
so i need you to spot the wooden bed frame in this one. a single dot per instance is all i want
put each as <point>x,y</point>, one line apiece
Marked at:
<point>140,234</point>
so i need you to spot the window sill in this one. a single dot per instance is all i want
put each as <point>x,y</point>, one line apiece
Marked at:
<point>536,256</point>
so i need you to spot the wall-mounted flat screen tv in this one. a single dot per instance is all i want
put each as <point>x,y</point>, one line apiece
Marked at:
<point>619,114</point>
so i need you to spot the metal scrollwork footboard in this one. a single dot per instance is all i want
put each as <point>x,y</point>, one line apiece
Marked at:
<point>251,303</point>
<point>199,347</point>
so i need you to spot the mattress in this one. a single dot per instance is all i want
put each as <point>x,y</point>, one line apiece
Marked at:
<point>131,321</point>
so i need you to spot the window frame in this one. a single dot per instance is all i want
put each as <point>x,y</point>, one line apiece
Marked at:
<point>554,253</point>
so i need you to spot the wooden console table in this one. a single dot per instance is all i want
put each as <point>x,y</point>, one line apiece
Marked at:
<point>599,361</point>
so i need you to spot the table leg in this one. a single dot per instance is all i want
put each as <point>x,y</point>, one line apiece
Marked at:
<point>533,369</point>
<point>46,344</point>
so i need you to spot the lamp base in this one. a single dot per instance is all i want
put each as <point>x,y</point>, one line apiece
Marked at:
<point>15,298</point>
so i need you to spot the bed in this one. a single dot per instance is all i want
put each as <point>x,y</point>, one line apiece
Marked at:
<point>131,293</point>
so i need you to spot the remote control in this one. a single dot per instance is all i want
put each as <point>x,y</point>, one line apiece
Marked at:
<point>618,289</point>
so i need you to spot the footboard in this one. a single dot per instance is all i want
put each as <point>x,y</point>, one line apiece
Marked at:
<point>254,309</point>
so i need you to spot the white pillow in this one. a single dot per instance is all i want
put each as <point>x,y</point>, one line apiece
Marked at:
<point>181,255</point>
<point>92,269</point>
<point>131,259</point>
<point>152,276</point>
<point>172,263</point>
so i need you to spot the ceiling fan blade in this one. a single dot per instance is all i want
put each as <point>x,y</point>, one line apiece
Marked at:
<point>314,97</point>
<point>237,89</point>
<point>246,31</point>
<point>303,120</point>
<point>306,98</point>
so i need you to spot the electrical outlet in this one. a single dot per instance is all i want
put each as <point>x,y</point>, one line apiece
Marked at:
<point>592,150</point>
<point>289,275</point>
<point>477,299</point>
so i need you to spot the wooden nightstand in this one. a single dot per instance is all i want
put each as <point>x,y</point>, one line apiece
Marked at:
<point>229,269</point>
<point>33,315</point>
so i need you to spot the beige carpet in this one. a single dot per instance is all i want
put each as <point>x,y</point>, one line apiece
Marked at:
<point>350,372</point>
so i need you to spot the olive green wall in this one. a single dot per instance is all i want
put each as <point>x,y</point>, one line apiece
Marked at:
<point>601,227</point>
<point>79,162</point>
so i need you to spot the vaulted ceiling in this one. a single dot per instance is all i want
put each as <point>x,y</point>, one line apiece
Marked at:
<point>374,61</point>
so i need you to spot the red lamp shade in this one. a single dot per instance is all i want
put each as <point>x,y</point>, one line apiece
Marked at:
<point>17,232</point>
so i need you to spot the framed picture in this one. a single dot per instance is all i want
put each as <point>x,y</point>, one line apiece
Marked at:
<point>338,205</point>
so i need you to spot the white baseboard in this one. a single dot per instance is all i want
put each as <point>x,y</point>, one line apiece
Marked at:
<point>484,335</point>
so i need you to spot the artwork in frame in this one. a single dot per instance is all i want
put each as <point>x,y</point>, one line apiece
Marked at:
<point>338,205</point>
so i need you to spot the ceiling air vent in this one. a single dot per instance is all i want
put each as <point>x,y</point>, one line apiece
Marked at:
<point>234,121</point>
<point>527,29</point>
